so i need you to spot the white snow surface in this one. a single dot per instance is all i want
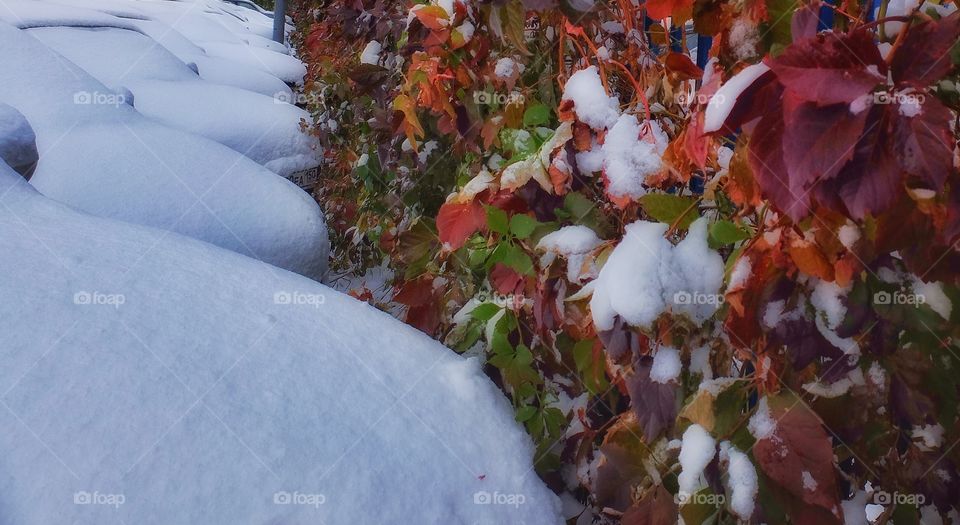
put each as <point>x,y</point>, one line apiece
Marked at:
<point>628,160</point>
<point>722,102</point>
<point>574,239</point>
<point>761,424</point>
<point>371,53</point>
<point>666,365</point>
<point>152,378</point>
<point>590,101</point>
<point>166,90</point>
<point>100,155</point>
<point>696,453</point>
<point>741,480</point>
<point>645,274</point>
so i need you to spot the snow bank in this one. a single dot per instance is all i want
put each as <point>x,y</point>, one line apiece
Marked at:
<point>166,90</point>
<point>284,67</point>
<point>645,275</point>
<point>151,378</point>
<point>590,101</point>
<point>99,155</point>
<point>18,144</point>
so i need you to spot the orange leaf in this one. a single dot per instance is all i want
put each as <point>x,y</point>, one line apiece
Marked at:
<point>810,260</point>
<point>457,222</point>
<point>433,17</point>
<point>682,66</point>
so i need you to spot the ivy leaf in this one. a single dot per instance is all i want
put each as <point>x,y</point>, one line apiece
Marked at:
<point>657,507</point>
<point>725,232</point>
<point>831,67</point>
<point>668,208</point>
<point>923,57</point>
<point>923,143</point>
<point>525,413</point>
<point>655,404</point>
<point>457,222</point>
<point>518,259</point>
<point>818,140</point>
<point>497,220</point>
<point>536,115</point>
<point>485,312</point>
<point>872,180</point>
<point>660,9</point>
<point>522,226</point>
<point>798,455</point>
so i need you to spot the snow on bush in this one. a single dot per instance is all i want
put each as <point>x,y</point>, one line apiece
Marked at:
<point>591,103</point>
<point>645,275</point>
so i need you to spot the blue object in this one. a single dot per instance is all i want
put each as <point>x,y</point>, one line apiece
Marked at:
<point>826,16</point>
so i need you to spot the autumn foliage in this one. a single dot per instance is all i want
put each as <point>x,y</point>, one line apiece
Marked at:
<point>812,168</point>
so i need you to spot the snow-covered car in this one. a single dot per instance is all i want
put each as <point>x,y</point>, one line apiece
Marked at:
<point>151,378</point>
<point>98,154</point>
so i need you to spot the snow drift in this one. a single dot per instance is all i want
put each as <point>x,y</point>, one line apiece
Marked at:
<point>151,378</point>
<point>101,156</point>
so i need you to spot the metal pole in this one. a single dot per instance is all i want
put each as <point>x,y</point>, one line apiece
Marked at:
<point>279,20</point>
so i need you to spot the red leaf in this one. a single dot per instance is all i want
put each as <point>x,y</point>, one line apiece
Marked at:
<point>924,56</point>
<point>457,222</point>
<point>660,9</point>
<point>655,404</point>
<point>681,64</point>
<point>657,507</point>
<point>872,180</point>
<point>798,456</point>
<point>766,162</point>
<point>923,143</point>
<point>504,279</point>
<point>818,140</point>
<point>831,67</point>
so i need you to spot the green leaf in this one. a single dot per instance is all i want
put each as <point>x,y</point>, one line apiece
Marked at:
<point>524,356</point>
<point>518,259</point>
<point>525,413</point>
<point>668,208</point>
<point>522,225</point>
<point>485,312</point>
<point>726,232</point>
<point>536,115</point>
<point>497,220</point>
